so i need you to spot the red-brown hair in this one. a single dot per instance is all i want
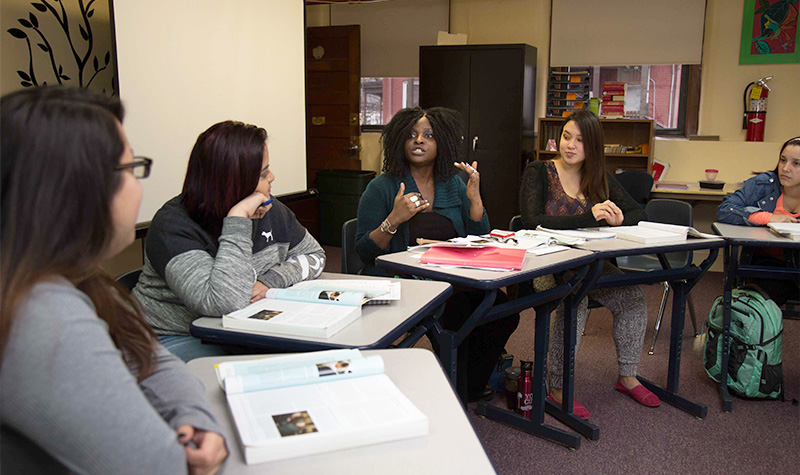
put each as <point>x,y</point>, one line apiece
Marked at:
<point>224,169</point>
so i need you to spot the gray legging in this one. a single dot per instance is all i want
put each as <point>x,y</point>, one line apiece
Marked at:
<point>629,309</point>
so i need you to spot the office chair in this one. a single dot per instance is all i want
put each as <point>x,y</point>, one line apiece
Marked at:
<point>668,212</point>
<point>351,263</point>
<point>129,279</point>
<point>637,183</point>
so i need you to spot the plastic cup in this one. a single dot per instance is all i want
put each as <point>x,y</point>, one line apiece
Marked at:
<point>711,174</point>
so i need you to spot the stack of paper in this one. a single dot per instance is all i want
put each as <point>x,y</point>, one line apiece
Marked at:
<point>789,230</point>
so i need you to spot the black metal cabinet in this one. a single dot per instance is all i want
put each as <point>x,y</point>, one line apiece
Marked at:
<point>493,87</point>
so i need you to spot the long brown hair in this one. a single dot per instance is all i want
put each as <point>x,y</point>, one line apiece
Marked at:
<point>594,184</point>
<point>60,148</point>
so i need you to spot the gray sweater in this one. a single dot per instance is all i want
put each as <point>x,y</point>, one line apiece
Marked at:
<point>65,386</point>
<point>190,273</point>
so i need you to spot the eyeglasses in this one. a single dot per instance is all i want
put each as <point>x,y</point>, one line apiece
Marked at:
<point>140,167</point>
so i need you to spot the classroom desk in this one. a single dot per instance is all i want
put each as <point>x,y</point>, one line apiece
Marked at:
<point>693,193</point>
<point>543,302</point>
<point>737,237</point>
<point>682,280</point>
<point>451,447</point>
<point>421,305</point>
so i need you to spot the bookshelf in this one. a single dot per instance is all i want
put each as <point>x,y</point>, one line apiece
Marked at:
<point>627,133</point>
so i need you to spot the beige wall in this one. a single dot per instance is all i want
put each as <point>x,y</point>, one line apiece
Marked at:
<point>14,51</point>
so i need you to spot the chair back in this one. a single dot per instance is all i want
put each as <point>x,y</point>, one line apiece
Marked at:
<point>672,212</point>
<point>516,223</point>
<point>637,183</point>
<point>351,263</point>
<point>129,279</point>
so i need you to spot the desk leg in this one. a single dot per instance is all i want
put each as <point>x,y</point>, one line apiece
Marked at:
<point>535,425</point>
<point>564,412</point>
<point>731,264</point>
<point>670,394</point>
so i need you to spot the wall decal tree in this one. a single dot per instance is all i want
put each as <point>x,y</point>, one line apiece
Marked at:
<point>33,34</point>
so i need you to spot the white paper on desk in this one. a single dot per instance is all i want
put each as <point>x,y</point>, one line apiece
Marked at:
<point>557,238</point>
<point>676,228</point>
<point>541,251</point>
<point>585,234</point>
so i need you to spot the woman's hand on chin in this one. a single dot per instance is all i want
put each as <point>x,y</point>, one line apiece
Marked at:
<point>251,207</point>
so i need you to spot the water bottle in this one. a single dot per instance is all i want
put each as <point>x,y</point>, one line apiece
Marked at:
<point>525,389</point>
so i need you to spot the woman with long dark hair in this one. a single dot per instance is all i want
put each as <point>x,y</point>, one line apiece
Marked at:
<point>222,242</point>
<point>575,191</point>
<point>419,195</point>
<point>770,197</point>
<point>85,385</point>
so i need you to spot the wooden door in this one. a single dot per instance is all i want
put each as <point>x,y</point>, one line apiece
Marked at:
<point>333,81</point>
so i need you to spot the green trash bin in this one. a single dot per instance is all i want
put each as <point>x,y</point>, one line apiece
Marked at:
<point>339,194</point>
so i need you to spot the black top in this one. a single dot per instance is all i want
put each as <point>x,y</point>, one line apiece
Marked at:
<point>430,226</point>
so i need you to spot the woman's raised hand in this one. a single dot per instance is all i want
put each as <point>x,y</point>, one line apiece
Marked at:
<point>474,183</point>
<point>609,211</point>
<point>406,206</point>
<point>251,207</point>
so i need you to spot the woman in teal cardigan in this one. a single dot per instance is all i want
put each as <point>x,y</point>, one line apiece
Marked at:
<point>420,195</point>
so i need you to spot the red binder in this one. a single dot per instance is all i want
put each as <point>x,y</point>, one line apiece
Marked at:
<point>487,257</point>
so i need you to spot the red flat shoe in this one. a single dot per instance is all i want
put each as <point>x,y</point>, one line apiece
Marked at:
<point>577,408</point>
<point>639,394</point>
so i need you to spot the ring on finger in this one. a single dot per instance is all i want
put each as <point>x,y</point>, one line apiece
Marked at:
<point>417,203</point>
<point>414,199</point>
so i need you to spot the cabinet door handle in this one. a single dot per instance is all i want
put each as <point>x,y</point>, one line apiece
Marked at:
<point>474,143</point>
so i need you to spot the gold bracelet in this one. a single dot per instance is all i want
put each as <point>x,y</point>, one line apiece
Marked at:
<point>386,227</point>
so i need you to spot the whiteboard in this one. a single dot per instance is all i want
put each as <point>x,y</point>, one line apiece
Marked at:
<point>187,64</point>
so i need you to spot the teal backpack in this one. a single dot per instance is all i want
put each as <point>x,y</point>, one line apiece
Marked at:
<point>754,362</point>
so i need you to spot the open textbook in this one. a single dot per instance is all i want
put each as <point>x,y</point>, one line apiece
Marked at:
<point>319,308</point>
<point>299,405</point>
<point>648,232</point>
<point>789,230</point>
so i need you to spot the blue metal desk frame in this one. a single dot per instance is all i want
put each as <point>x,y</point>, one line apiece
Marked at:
<point>748,237</point>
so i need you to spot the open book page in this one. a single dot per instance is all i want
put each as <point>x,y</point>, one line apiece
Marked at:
<point>586,234</point>
<point>277,363</point>
<point>376,291</point>
<point>676,228</point>
<point>789,230</point>
<point>310,373</point>
<point>647,235</point>
<point>284,317</point>
<point>323,294</point>
<point>295,421</point>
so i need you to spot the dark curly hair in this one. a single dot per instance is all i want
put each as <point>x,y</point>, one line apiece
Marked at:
<point>448,132</point>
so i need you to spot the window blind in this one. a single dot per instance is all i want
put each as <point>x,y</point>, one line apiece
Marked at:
<point>626,32</point>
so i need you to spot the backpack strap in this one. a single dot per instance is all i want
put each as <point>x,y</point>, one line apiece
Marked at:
<point>757,289</point>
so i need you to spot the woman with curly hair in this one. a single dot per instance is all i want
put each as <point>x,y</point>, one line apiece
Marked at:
<point>420,195</point>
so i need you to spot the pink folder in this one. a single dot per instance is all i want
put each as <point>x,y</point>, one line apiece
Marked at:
<point>488,257</point>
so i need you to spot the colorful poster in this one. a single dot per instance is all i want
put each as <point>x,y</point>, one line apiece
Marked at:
<point>769,32</point>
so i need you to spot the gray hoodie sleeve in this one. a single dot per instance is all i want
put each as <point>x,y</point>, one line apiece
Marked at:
<point>65,386</point>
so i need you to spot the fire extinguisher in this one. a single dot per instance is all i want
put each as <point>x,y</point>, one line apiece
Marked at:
<point>755,109</point>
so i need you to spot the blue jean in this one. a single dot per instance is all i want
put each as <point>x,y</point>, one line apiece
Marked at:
<point>188,348</point>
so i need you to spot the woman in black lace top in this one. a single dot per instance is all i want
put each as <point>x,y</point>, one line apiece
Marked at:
<point>573,191</point>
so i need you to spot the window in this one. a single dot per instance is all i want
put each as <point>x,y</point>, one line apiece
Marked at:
<point>667,94</point>
<point>382,97</point>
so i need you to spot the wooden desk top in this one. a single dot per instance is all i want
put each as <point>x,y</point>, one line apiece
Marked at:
<point>692,192</point>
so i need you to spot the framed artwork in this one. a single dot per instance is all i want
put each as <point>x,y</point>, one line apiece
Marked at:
<point>769,32</point>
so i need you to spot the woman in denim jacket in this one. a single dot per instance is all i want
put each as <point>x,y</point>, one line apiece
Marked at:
<point>773,196</point>
<point>756,202</point>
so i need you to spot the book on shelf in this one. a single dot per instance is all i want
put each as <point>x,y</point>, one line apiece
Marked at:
<point>489,257</point>
<point>787,230</point>
<point>312,403</point>
<point>317,309</point>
